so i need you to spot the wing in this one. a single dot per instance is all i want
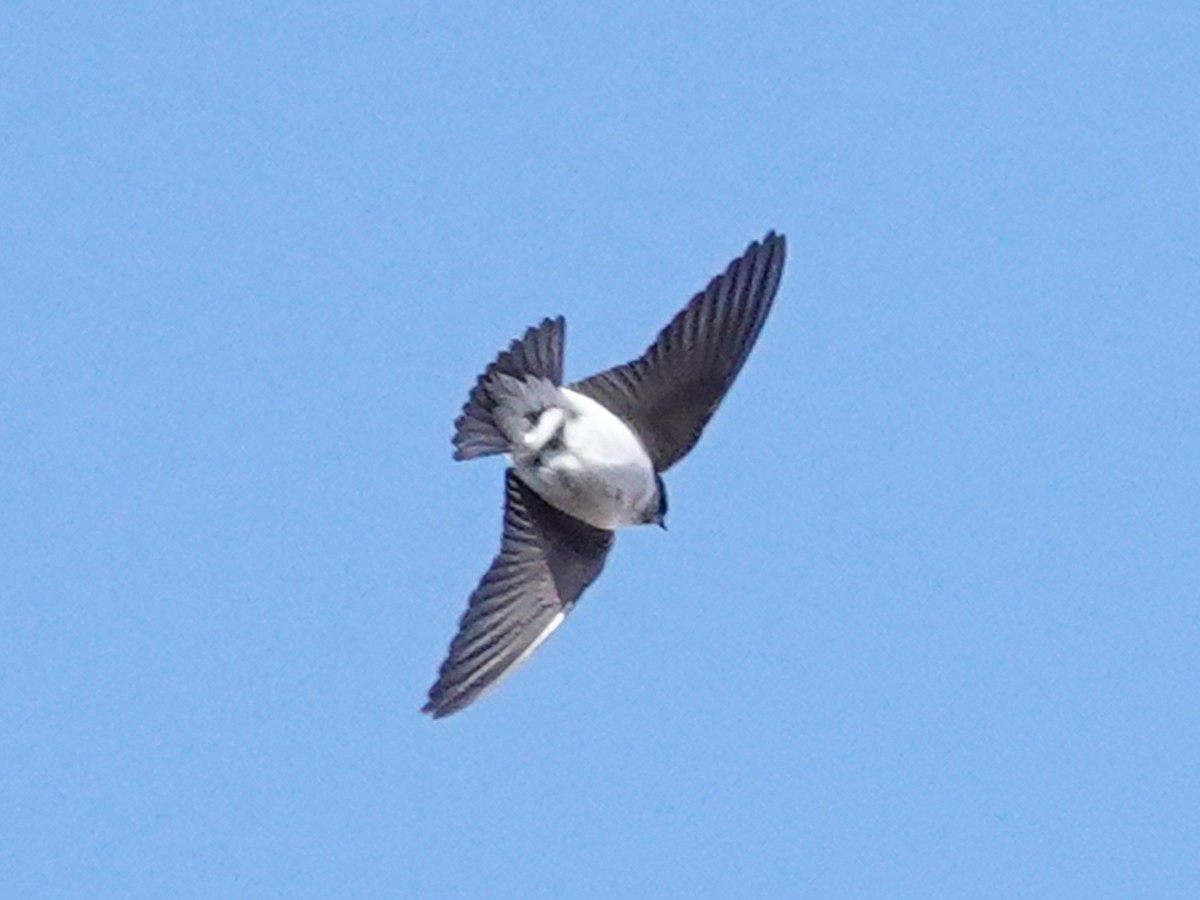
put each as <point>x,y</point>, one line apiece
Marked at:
<point>546,560</point>
<point>670,392</point>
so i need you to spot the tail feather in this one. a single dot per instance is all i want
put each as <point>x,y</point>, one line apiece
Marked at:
<point>508,384</point>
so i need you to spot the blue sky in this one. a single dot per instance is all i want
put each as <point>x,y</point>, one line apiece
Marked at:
<point>926,622</point>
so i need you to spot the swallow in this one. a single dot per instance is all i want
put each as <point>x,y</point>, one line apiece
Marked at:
<point>586,459</point>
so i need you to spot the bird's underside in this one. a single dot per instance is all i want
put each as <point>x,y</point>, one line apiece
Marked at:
<point>659,405</point>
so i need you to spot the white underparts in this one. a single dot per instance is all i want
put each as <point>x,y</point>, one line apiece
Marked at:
<point>547,425</point>
<point>598,472</point>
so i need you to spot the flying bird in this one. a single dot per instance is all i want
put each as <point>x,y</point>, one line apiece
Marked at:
<point>587,458</point>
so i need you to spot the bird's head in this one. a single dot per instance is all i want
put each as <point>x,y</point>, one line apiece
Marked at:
<point>656,512</point>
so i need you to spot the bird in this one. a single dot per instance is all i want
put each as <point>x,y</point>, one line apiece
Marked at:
<point>587,458</point>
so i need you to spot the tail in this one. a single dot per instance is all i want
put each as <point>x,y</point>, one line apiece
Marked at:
<point>520,382</point>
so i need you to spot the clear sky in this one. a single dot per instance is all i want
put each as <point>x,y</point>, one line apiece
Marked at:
<point>926,623</point>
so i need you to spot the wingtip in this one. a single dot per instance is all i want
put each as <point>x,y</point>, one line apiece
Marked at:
<point>774,246</point>
<point>774,238</point>
<point>436,709</point>
<point>441,709</point>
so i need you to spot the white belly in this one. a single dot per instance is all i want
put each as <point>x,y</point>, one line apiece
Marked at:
<point>602,474</point>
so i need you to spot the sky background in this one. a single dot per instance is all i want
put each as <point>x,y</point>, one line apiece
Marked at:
<point>926,623</point>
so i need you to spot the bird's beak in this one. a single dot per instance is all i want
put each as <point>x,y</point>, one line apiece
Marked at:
<point>661,523</point>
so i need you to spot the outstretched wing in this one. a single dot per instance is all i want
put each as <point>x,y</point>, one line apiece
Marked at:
<point>547,558</point>
<point>669,393</point>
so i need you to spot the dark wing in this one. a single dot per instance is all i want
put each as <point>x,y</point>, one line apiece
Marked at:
<point>546,560</point>
<point>670,392</point>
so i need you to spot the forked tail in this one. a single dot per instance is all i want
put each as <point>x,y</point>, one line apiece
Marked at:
<point>511,392</point>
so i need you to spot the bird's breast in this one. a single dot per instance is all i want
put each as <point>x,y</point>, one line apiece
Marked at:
<point>601,473</point>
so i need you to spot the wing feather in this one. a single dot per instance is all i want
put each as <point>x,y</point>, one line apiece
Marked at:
<point>547,558</point>
<point>670,392</point>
